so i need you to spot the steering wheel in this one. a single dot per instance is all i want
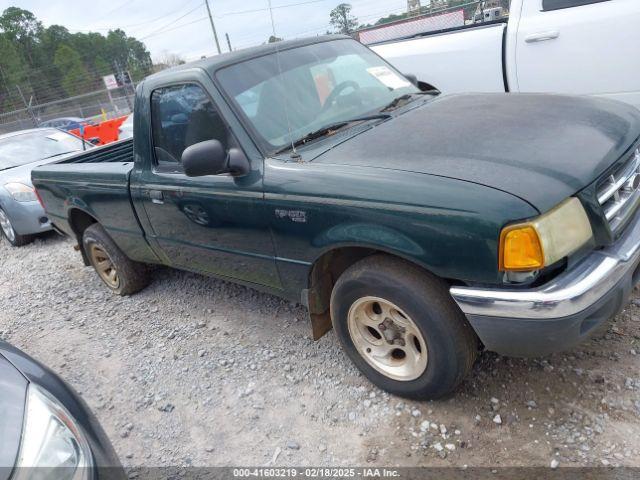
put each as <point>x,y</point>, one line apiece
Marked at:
<point>335,93</point>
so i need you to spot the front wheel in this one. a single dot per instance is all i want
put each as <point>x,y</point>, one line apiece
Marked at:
<point>122,275</point>
<point>401,328</point>
<point>10,234</point>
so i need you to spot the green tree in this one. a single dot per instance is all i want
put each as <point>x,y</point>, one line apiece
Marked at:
<point>75,78</point>
<point>33,57</point>
<point>128,53</point>
<point>342,20</point>
<point>392,18</point>
<point>11,73</point>
<point>101,67</point>
<point>274,39</point>
<point>22,28</point>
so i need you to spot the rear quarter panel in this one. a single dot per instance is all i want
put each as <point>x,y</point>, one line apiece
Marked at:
<point>102,191</point>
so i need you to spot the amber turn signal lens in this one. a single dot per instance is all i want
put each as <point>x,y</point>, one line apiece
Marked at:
<point>521,249</point>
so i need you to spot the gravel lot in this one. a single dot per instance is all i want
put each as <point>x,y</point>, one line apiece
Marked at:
<point>196,371</point>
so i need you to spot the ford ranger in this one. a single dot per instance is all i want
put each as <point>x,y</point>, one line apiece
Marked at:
<point>422,228</point>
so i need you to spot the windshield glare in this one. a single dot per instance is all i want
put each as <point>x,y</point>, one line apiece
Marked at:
<point>320,84</point>
<point>31,147</point>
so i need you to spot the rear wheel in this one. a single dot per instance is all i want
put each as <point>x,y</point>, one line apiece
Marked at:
<point>117,271</point>
<point>401,328</point>
<point>10,234</point>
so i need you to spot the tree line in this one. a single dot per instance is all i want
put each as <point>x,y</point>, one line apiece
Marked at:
<point>50,63</point>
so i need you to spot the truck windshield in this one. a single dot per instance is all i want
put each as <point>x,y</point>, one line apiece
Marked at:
<point>285,96</point>
<point>24,148</point>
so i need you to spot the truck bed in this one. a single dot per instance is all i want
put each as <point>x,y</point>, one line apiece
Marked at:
<point>467,59</point>
<point>121,151</point>
<point>94,183</point>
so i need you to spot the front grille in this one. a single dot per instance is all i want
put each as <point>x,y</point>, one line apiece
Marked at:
<point>619,193</point>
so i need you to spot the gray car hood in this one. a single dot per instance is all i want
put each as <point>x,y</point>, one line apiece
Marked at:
<point>541,148</point>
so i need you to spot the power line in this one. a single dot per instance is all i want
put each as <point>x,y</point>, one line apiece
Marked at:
<point>246,40</point>
<point>249,40</point>
<point>124,4</point>
<point>172,22</point>
<point>177,27</point>
<point>228,14</point>
<point>131,25</point>
<point>258,10</point>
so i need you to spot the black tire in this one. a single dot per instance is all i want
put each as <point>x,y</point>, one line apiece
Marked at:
<point>451,343</point>
<point>14,238</point>
<point>131,276</point>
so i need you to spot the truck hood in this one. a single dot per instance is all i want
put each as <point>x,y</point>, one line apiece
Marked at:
<point>541,148</point>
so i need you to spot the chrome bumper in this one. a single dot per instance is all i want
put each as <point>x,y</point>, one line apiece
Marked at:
<point>569,294</point>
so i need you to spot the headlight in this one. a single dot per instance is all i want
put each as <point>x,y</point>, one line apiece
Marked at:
<point>52,445</point>
<point>546,239</point>
<point>21,192</point>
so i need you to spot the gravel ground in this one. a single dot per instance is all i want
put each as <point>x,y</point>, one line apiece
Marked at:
<point>196,371</point>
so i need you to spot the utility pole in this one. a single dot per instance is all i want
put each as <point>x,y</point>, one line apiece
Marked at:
<point>213,27</point>
<point>228,41</point>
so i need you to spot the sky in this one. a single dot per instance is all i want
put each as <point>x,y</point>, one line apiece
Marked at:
<point>183,28</point>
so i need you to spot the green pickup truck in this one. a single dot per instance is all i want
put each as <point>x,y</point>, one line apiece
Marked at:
<point>422,228</point>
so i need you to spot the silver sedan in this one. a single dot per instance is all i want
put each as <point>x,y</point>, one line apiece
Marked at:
<point>21,215</point>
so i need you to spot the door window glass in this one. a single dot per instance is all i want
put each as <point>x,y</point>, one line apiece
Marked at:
<point>181,116</point>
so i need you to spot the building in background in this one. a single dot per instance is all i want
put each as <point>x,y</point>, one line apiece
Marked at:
<point>438,5</point>
<point>490,10</point>
<point>413,7</point>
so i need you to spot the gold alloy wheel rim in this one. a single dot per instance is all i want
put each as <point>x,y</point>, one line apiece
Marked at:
<point>104,266</point>
<point>387,338</point>
<point>5,224</point>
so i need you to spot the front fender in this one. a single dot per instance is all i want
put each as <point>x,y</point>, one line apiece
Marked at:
<point>368,235</point>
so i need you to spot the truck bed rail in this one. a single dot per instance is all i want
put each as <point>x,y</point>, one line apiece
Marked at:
<point>121,151</point>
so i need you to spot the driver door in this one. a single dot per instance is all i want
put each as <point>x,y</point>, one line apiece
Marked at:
<point>212,224</point>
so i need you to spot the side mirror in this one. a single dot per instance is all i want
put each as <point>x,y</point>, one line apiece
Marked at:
<point>420,85</point>
<point>412,78</point>
<point>210,158</point>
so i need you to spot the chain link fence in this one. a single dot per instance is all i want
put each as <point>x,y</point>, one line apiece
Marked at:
<point>94,106</point>
<point>439,16</point>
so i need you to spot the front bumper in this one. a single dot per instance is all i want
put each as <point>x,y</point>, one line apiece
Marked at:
<point>27,218</point>
<point>561,313</point>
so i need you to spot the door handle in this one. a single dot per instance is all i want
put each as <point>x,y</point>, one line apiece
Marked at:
<point>156,196</point>
<point>541,37</point>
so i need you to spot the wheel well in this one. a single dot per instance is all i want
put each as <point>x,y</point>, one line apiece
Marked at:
<point>79,221</point>
<point>325,272</point>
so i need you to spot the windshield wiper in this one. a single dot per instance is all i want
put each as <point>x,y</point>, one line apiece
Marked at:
<point>331,128</point>
<point>406,97</point>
